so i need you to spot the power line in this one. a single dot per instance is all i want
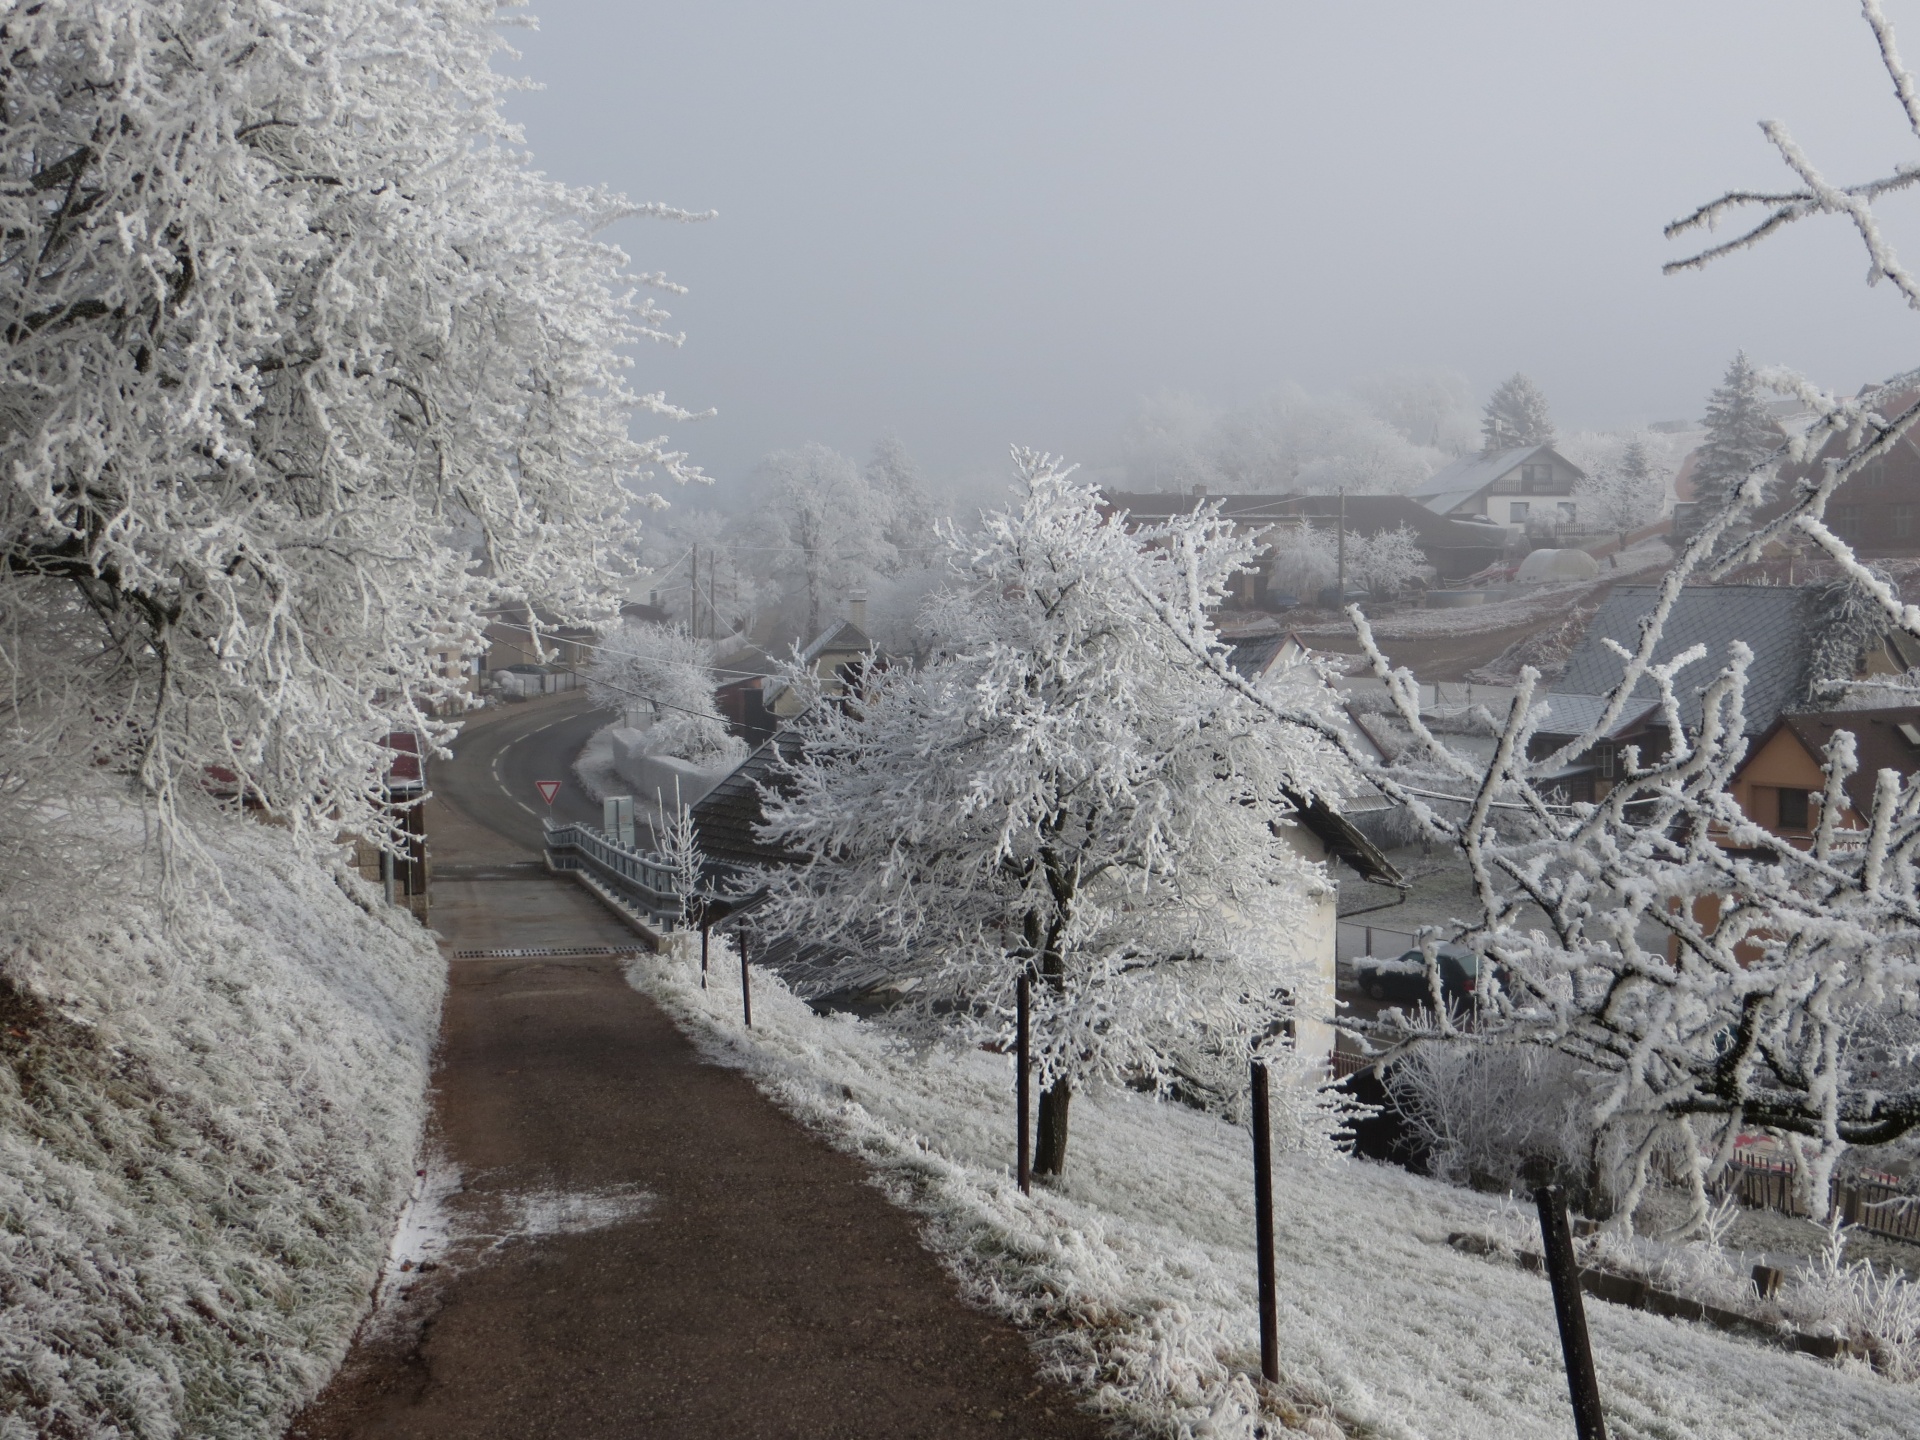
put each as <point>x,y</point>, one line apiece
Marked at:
<point>612,650</point>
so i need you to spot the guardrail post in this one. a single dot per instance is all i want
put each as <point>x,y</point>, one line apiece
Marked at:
<point>1583,1385</point>
<point>1263,1228</point>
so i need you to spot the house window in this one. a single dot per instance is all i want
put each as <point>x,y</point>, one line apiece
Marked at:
<point>1606,763</point>
<point>1567,512</point>
<point>1536,479</point>
<point>1793,809</point>
<point>1845,521</point>
<point>1903,522</point>
<point>1518,512</point>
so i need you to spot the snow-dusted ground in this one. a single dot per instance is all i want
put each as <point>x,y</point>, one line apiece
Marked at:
<point>208,1126</point>
<point>1136,1275</point>
<point>1536,606</point>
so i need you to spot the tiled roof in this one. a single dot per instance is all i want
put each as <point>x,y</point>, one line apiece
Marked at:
<point>1253,658</point>
<point>1569,714</point>
<point>726,816</point>
<point>1777,622</point>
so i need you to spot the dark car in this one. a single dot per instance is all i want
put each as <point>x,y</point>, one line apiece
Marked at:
<point>1404,978</point>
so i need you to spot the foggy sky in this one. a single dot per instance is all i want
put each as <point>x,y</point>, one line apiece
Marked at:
<point>979,223</point>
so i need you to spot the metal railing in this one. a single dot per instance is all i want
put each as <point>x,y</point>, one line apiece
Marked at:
<point>640,877</point>
<point>1354,939</point>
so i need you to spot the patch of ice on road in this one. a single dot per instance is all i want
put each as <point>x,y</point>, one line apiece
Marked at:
<point>576,1212</point>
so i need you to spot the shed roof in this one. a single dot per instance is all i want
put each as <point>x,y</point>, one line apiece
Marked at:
<point>1777,622</point>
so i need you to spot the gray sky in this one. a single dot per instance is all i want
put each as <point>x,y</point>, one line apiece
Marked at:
<point>980,223</point>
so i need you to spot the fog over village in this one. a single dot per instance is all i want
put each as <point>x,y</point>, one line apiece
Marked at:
<point>859,720</point>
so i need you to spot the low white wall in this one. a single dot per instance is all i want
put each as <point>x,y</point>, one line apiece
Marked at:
<point>654,776</point>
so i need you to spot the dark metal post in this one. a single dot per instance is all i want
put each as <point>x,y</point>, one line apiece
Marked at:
<point>1583,1385</point>
<point>1263,1227</point>
<point>704,929</point>
<point>746,984</point>
<point>1022,1082</point>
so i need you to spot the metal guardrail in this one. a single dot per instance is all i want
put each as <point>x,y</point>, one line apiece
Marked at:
<point>639,877</point>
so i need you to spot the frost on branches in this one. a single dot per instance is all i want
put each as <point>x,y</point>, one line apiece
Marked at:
<point>1066,791</point>
<point>665,675</point>
<point>1707,977</point>
<point>1625,494</point>
<point>291,332</point>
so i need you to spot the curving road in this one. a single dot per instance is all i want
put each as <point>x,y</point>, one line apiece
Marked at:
<point>503,752</point>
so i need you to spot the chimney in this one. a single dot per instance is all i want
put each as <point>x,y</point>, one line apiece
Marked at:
<point>857,608</point>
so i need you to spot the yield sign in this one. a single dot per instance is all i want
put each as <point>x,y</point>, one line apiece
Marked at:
<point>548,789</point>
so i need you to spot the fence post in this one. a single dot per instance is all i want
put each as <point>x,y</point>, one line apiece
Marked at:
<point>746,984</point>
<point>1583,1385</point>
<point>1369,949</point>
<point>1024,1166</point>
<point>1263,1227</point>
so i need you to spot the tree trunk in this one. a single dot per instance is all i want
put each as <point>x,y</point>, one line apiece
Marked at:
<point>1050,1146</point>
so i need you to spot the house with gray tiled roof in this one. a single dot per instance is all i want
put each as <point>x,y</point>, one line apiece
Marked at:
<point>1530,485</point>
<point>1780,624</point>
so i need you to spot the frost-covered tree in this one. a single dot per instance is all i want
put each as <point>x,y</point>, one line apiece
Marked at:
<point>1710,977</point>
<point>1387,561</point>
<point>291,332</point>
<point>1066,791</point>
<point>895,483</point>
<point>1288,442</point>
<point>822,528</point>
<point>1624,495</point>
<point>666,675</point>
<point>1430,408</point>
<point>1301,559</point>
<point>1741,435</point>
<point>1516,414</point>
<point>676,839</point>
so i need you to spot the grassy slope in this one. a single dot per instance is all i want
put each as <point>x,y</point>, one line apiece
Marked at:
<point>207,1125</point>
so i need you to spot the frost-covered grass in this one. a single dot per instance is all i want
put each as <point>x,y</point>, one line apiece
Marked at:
<point>1136,1279</point>
<point>1829,1294</point>
<point>208,1124</point>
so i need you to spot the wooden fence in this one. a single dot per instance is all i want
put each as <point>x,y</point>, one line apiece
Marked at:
<point>1875,1206</point>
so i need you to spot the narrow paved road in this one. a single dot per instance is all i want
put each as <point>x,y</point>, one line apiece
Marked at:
<point>641,1244</point>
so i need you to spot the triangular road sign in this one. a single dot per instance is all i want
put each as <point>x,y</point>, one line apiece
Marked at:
<point>548,789</point>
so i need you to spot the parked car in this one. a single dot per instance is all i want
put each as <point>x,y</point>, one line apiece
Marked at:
<point>1404,978</point>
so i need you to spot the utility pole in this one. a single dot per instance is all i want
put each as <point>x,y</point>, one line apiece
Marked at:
<point>693,598</point>
<point>1340,550</point>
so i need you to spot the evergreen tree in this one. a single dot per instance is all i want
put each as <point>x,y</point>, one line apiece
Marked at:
<point>1515,415</point>
<point>1740,434</point>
